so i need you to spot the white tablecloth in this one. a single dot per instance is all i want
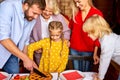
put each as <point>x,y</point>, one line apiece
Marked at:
<point>55,75</point>
<point>87,76</point>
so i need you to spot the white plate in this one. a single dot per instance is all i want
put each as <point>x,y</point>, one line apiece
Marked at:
<point>68,71</point>
<point>20,74</point>
<point>55,76</point>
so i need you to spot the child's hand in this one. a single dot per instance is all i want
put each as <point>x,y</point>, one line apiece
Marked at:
<point>95,77</point>
<point>96,59</point>
<point>39,51</point>
<point>68,42</point>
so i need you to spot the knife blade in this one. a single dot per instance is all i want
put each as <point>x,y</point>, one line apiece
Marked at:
<point>39,73</point>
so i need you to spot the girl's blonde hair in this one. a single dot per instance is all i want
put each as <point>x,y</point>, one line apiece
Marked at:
<point>53,5</point>
<point>56,25</point>
<point>75,9</point>
<point>97,26</point>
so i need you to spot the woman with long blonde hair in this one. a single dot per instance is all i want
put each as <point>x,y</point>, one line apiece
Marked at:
<point>81,44</point>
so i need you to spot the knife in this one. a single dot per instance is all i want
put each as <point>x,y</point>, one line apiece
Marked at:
<point>39,73</point>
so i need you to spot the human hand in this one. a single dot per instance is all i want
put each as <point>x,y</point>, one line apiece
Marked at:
<point>95,77</point>
<point>67,42</point>
<point>38,51</point>
<point>96,59</point>
<point>29,64</point>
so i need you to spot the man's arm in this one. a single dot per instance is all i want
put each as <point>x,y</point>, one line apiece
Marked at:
<point>25,49</point>
<point>12,48</point>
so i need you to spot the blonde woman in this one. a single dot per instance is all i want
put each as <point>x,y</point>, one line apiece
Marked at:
<point>81,44</point>
<point>98,28</point>
<point>55,50</point>
<point>40,30</point>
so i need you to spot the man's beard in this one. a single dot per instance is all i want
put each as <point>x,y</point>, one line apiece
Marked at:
<point>29,18</point>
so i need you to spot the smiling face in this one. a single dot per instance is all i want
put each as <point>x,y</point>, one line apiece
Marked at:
<point>47,12</point>
<point>82,4</point>
<point>32,12</point>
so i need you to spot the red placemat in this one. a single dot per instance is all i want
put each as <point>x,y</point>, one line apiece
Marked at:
<point>72,75</point>
<point>2,76</point>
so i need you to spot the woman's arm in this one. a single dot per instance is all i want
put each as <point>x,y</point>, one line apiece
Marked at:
<point>66,29</point>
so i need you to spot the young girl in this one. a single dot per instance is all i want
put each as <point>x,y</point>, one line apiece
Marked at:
<point>98,28</point>
<point>55,50</point>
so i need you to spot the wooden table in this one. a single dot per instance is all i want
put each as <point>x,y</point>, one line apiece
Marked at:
<point>116,66</point>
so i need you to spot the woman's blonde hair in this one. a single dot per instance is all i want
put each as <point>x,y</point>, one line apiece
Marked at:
<point>97,26</point>
<point>53,5</point>
<point>75,9</point>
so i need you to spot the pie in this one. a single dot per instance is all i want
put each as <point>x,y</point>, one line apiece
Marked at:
<point>35,76</point>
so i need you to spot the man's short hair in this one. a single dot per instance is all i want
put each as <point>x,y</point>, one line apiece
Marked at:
<point>41,3</point>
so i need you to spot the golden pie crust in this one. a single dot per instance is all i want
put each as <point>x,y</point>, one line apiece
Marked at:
<point>35,76</point>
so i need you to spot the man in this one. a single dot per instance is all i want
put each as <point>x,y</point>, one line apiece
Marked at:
<point>14,32</point>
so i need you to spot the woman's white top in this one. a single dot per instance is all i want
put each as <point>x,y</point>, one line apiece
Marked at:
<point>44,27</point>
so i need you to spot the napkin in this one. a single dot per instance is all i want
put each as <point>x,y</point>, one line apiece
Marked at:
<point>2,76</point>
<point>72,76</point>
